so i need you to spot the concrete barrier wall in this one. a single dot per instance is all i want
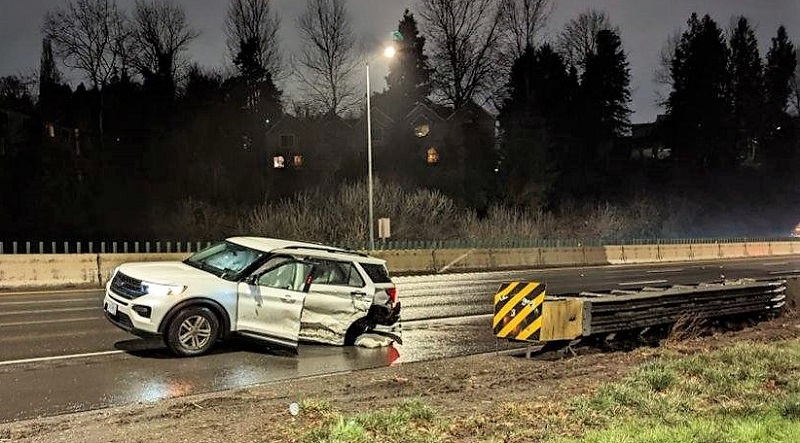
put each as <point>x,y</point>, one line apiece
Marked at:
<point>782,248</point>
<point>48,270</point>
<point>670,253</point>
<point>92,270</point>
<point>641,254</point>
<point>705,251</point>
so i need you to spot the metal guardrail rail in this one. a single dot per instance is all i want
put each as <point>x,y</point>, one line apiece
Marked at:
<point>137,247</point>
<point>618,311</point>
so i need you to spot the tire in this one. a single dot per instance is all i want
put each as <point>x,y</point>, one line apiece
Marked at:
<point>192,332</point>
<point>358,327</point>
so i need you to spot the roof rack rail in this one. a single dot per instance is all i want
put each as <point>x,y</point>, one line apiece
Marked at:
<point>326,249</point>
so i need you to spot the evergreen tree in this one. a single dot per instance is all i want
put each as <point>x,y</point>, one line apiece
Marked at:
<point>699,105</point>
<point>409,74</point>
<point>746,88</point>
<point>536,120</point>
<point>780,68</point>
<point>605,97</point>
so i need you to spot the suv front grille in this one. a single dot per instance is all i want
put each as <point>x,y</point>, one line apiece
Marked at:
<point>127,287</point>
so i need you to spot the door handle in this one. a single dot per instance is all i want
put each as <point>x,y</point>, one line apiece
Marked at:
<point>288,299</point>
<point>358,294</point>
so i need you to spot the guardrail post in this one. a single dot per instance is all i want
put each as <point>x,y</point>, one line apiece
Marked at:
<point>158,247</point>
<point>66,247</point>
<point>169,247</point>
<point>27,247</point>
<point>125,247</point>
<point>113,247</point>
<point>1,247</point>
<point>136,247</point>
<point>78,247</point>
<point>14,247</point>
<point>91,247</point>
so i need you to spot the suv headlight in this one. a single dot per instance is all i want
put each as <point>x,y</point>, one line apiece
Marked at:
<point>157,289</point>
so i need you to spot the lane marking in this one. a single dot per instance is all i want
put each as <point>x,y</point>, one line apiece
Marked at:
<point>796,271</point>
<point>51,311</point>
<point>58,357</point>
<point>54,291</point>
<point>783,263</point>
<point>48,322</point>
<point>42,302</point>
<point>637,283</point>
<point>664,271</point>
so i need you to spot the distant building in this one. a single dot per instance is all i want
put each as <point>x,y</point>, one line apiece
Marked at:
<point>429,144</point>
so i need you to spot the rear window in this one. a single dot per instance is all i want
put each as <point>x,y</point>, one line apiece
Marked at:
<point>377,273</point>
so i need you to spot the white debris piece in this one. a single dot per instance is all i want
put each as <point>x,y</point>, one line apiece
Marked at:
<point>373,341</point>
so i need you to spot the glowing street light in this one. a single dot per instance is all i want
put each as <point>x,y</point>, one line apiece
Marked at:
<point>388,52</point>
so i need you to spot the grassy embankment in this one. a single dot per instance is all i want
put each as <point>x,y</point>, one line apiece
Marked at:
<point>746,393</point>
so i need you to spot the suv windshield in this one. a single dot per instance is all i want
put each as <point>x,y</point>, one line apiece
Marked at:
<point>225,260</point>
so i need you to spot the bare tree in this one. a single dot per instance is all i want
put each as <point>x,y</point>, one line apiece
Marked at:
<point>160,34</point>
<point>252,22</point>
<point>466,48</point>
<point>578,39</point>
<point>663,71</point>
<point>91,36</point>
<point>329,57</point>
<point>523,21</point>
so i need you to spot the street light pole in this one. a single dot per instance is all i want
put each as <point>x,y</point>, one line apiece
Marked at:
<point>369,163</point>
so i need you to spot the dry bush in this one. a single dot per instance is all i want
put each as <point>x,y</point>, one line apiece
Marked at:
<point>340,215</point>
<point>686,327</point>
<point>505,224</point>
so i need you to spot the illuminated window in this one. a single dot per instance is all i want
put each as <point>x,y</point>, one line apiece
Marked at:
<point>287,140</point>
<point>278,162</point>
<point>433,156</point>
<point>422,130</point>
<point>297,161</point>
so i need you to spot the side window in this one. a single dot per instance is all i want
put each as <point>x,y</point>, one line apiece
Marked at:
<point>284,273</point>
<point>337,274</point>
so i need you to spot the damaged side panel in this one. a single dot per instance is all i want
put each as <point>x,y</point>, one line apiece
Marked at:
<point>330,310</point>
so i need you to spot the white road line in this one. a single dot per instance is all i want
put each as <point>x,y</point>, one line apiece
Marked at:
<point>796,271</point>
<point>42,302</point>
<point>47,322</point>
<point>58,357</point>
<point>664,271</point>
<point>638,283</point>
<point>50,311</point>
<point>783,263</point>
<point>54,291</point>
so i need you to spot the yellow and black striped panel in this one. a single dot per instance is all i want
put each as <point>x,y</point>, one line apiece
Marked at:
<point>518,310</point>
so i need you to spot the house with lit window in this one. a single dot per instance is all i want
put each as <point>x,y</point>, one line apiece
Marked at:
<point>429,144</point>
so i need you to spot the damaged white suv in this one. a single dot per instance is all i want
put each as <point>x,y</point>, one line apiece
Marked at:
<point>278,291</point>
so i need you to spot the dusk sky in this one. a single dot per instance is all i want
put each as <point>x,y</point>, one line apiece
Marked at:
<point>645,26</point>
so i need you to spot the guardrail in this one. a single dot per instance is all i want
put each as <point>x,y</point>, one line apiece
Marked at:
<point>39,270</point>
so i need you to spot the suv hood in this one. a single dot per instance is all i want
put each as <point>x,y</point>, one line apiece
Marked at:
<point>166,272</point>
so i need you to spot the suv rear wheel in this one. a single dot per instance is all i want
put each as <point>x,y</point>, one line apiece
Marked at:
<point>192,332</point>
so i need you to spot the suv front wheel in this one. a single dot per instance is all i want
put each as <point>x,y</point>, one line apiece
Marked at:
<point>192,332</point>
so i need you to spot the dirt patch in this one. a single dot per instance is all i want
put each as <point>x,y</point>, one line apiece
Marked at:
<point>475,393</point>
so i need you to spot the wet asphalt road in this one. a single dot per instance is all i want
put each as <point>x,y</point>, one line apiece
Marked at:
<point>58,354</point>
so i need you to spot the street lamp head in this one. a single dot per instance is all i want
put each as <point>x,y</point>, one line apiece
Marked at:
<point>389,52</point>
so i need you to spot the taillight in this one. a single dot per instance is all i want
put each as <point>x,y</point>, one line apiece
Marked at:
<point>392,292</point>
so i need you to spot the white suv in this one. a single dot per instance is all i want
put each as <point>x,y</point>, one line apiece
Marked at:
<point>278,291</point>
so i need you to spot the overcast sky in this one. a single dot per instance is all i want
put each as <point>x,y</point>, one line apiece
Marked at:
<point>644,24</point>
